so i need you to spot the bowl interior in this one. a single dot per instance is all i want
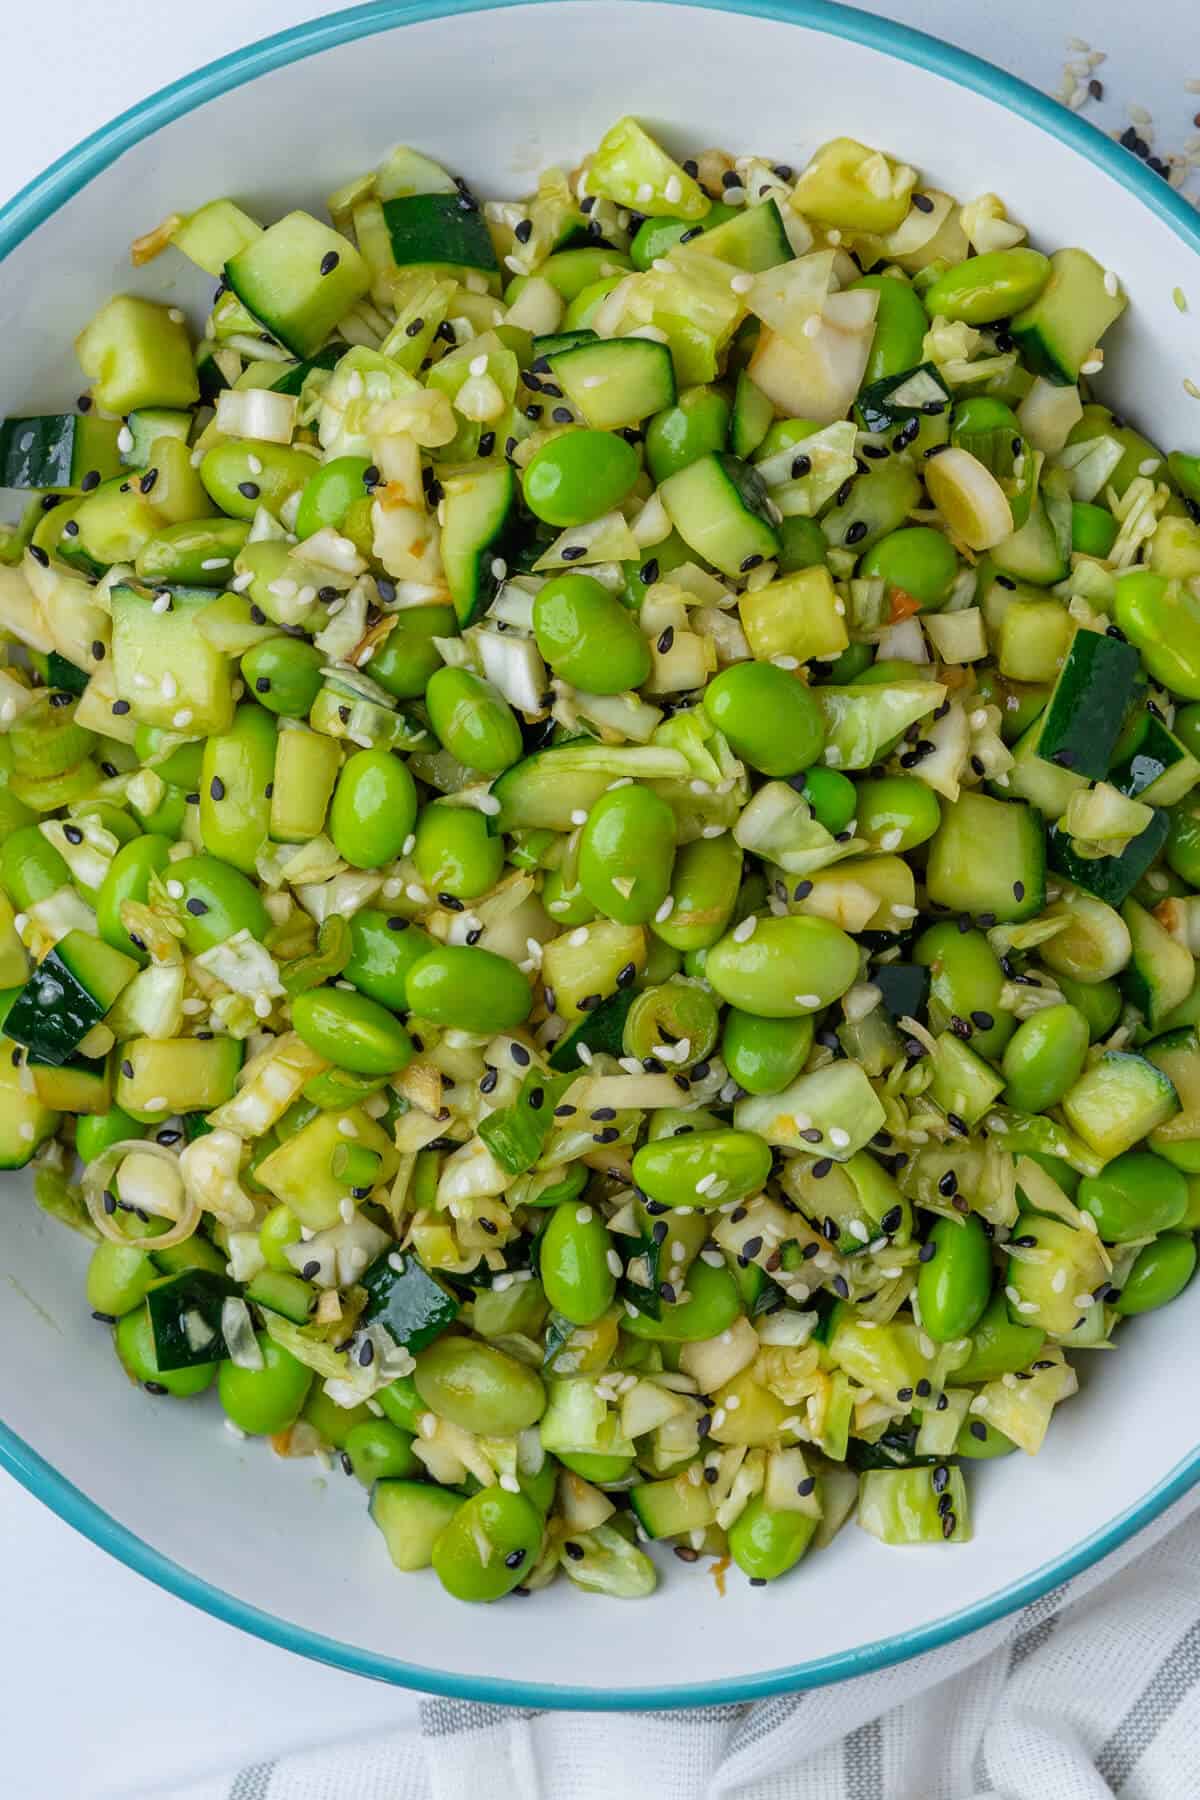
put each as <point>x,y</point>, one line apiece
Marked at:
<point>292,1546</point>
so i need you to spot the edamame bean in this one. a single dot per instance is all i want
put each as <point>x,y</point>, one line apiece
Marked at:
<point>579,475</point>
<point>595,1467</point>
<point>217,901</point>
<point>175,763</point>
<point>378,1449</point>
<point>917,561</point>
<point>330,492</point>
<point>134,1343</point>
<point>989,287</point>
<point>408,656</point>
<point>1044,1057</point>
<point>832,797</point>
<point>402,1404</point>
<point>897,812</point>
<point>333,1424</point>
<point>383,948</point>
<point>770,718</point>
<point>676,1016</point>
<point>766,1543</point>
<point>1100,1003</point>
<point>128,878</point>
<point>900,326</point>
<point>702,1169</point>
<point>1161,619</point>
<point>999,1345</point>
<point>704,889</point>
<point>802,545</point>
<point>455,853</point>
<point>697,424</point>
<point>1137,1195</point>
<point>787,968</point>
<point>1159,1275</point>
<point>241,475</point>
<point>954,1287</point>
<point>266,1400</point>
<point>470,988</point>
<point>626,854</point>
<point>574,1262</point>
<point>1093,529</point>
<point>119,1278</point>
<point>473,720</point>
<point>507,1526</point>
<point>95,1132</point>
<point>588,637</point>
<point>284,675</point>
<point>31,869</point>
<point>478,1387</point>
<point>278,1230</point>
<point>374,808</point>
<point>1182,848</point>
<point>354,1032</point>
<point>236,777</point>
<point>966,984</point>
<point>712,1305</point>
<point>764,1055</point>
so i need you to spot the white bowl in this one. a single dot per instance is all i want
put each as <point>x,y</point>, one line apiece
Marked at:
<point>265,1544</point>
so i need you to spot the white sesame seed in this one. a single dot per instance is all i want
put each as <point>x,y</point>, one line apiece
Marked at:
<point>26,1132</point>
<point>262,1007</point>
<point>478,365</point>
<point>240,583</point>
<point>175,889</point>
<point>713,1258</point>
<point>160,603</point>
<point>644,192</point>
<point>741,284</point>
<point>839,1139</point>
<point>347,1128</point>
<point>665,910</point>
<point>579,817</point>
<point>808,1000</point>
<point>718,1417</point>
<point>254,464</point>
<point>891,840</point>
<point>732,1403</point>
<point>713,831</point>
<point>124,440</point>
<point>855,1227</point>
<point>615,1265</point>
<point>746,929</point>
<point>1026,1306</point>
<point>158,1104</point>
<point>416,892</point>
<point>673,192</point>
<point>583,1214</point>
<point>812,325</point>
<point>1092,366</point>
<point>1149,464</point>
<point>169,686</point>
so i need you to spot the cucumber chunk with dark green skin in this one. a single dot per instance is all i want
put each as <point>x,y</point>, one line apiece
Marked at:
<point>439,228</point>
<point>67,994</point>
<point>1081,724</point>
<point>57,450</point>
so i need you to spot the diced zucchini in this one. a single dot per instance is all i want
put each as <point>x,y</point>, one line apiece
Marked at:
<point>751,418</point>
<point>185,1318</point>
<point>1118,1100</point>
<point>1081,724</point>
<point>1062,327</point>
<point>753,239</point>
<point>838,1100</point>
<point>80,1086</point>
<point>896,399</point>
<point>963,1083</point>
<point>56,450</point>
<point>988,856</point>
<point>615,383</point>
<point>1159,769</point>
<point>214,234</point>
<point>68,993</point>
<point>718,505</point>
<point>299,278</point>
<point>1040,1285</point>
<point>1040,552</point>
<point>795,616</point>
<point>630,168</point>
<point>147,425</point>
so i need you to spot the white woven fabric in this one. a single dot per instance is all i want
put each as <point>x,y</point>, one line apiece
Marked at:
<point>1092,1691</point>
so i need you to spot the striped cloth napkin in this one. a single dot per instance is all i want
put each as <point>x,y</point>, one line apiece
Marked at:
<point>1092,1691</point>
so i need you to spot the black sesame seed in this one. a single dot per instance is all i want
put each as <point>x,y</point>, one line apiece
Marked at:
<point>856,532</point>
<point>1018,888</point>
<point>91,480</point>
<point>520,1055</point>
<point>666,639</point>
<point>978,1430</point>
<point>488,1081</point>
<point>904,1393</point>
<point>310,1269</point>
<point>750,562</point>
<point>154,1387</point>
<point>451,903</point>
<point>573,552</point>
<point>923,203</point>
<point>983,1021</point>
<point>148,480</point>
<point>562,415</point>
<point>249,490</point>
<point>588,1003</point>
<point>329,262</point>
<point>39,556</point>
<point>751,1248</point>
<point>366,1354</point>
<point>927,1252</point>
<point>574,1551</point>
<point>841,1287</point>
<point>821,1167</point>
<point>196,907</point>
<point>608,1135</point>
<point>956,1124</point>
<point>216,788</point>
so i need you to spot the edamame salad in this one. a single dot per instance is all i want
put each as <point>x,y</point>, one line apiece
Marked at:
<point>599,818</point>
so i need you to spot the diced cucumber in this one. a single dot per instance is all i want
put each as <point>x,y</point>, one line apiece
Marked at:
<point>896,399</point>
<point>166,672</point>
<point>1118,1100</point>
<point>1177,1057</point>
<point>412,1516</point>
<point>671,1508</point>
<point>1062,327</point>
<point>988,857</point>
<point>185,1318</point>
<point>963,1083</point>
<point>718,505</point>
<point>288,1295</point>
<point>57,450</point>
<point>67,994</point>
<point>160,1076</point>
<point>1048,785</point>
<point>1161,970</point>
<point>294,375</point>
<point>137,354</point>
<point>615,383</point>
<point>751,417</point>
<point>479,502</point>
<point>214,234</point>
<point>149,423</point>
<point>299,1171</point>
<point>915,1506</point>
<point>1109,878</point>
<point>754,239</point>
<point>1040,552</point>
<point>1081,724</point>
<point>1159,769</point>
<point>414,1307</point>
<point>299,278</point>
<point>1040,1285</point>
<point>80,1086</point>
<point>442,229</point>
<point>25,1121</point>
<point>541,792</point>
<point>838,1100</point>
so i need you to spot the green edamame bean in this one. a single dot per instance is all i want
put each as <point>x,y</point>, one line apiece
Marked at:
<point>133,1340</point>
<point>595,1467</point>
<point>832,797</point>
<point>473,720</point>
<point>578,476</point>
<point>658,237</point>
<point>1093,529</point>
<point>378,1449</point>
<point>119,1278</point>
<point>1100,1003</point>
<point>284,675</point>
<point>1136,1195</point>
<point>989,287</point>
<point>999,1345</point>
<point>626,854</point>
<point>217,901</point>
<point>1182,847</point>
<point>1161,619</point>
<point>764,1055</point>
<point>981,1442</point>
<point>713,1305</point>
<point>1191,1218</point>
<point>900,326</point>
<point>566,902</point>
<point>167,819</point>
<point>111,817</point>
<point>94,1132</point>
<point>278,1230</point>
<point>954,1287</point>
<point>1062,1172</point>
<point>31,869</point>
<point>408,655</point>
<point>675,1014</point>
<point>470,988</point>
<point>236,774</point>
<point>354,1032</point>
<point>175,763</point>
<point>478,1387</point>
<point>1186,727</point>
<point>1044,1057</point>
<point>582,309</point>
<point>967,983</point>
<point>1159,1275</point>
<point>897,812</point>
<point>573,1259</point>
<point>697,424</point>
<point>917,560</point>
<point>383,948</point>
<point>128,878</point>
<point>455,853</point>
<point>765,1543</point>
<point>789,967</point>
<point>770,718</point>
<point>241,476</point>
<point>704,890</point>
<point>587,636</point>
<point>261,1401</point>
<point>510,1527</point>
<point>802,545</point>
<point>196,553</point>
<point>330,492</point>
<point>374,808</point>
<point>402,1404</point>
<point>702,1169</point>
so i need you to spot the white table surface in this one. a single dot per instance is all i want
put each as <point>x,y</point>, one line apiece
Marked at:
<point>109,1687</point>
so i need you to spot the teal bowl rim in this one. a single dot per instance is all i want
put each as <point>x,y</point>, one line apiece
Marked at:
<point>18,219</point>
